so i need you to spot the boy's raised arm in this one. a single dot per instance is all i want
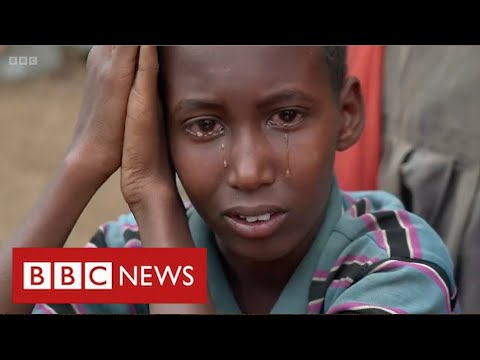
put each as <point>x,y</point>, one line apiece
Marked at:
<point>93,156</point>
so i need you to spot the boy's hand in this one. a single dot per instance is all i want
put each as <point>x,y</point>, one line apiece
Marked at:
<point>96,149</point>
<point>146,169</point>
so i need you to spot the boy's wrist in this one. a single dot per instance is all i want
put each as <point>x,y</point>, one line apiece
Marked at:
<point>161,218</point>
<point>84,171</point>
<point>153,197</point>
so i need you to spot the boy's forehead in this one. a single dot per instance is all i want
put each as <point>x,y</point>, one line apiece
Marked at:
<point>260,63</point>
<point>207,51</point>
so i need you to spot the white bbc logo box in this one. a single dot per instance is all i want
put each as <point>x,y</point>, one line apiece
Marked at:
<point>67,275</point>
<point>22,60</point>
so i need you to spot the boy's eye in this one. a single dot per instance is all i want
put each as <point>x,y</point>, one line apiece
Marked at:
<point>286,118</point>
<point>287,115</point>
<point>204,128</point>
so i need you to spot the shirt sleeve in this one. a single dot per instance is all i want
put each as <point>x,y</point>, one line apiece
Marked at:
<point>122,232</point>
<point>397,286</point>
<point>395,263</point>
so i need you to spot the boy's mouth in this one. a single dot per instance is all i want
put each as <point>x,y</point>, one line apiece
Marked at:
<point>255,222</point>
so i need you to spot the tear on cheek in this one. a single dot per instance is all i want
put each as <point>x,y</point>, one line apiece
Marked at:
<point>288,173</point>
<point>225,164</point>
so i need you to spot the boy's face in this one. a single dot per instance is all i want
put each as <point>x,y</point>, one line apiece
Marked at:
<point>254,131</point>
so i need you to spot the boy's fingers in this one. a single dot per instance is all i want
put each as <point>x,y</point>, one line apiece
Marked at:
<point>146,77</point>
<point>142,123</point>
<point>124,57</point>
<point>98,53</point>
<point>143,99</point>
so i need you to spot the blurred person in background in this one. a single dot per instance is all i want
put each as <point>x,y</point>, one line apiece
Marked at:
<point>422,106</point>
<point>431,155</point>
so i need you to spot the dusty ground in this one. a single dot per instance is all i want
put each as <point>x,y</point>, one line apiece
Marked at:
<point>37,118</point>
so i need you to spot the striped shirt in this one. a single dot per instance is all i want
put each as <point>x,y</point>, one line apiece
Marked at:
<point>369,257</point>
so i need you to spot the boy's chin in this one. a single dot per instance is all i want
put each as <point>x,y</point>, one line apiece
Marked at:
<point>260,250</point>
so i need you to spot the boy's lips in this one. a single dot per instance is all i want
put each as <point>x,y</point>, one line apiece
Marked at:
<point>255,222</point>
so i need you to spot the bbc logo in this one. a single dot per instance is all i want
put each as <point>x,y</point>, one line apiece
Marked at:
<point>22,60</point>
<point>109,275</point>
<point>67,275</point>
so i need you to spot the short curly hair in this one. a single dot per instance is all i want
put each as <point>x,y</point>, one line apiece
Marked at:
<point>336,59</point>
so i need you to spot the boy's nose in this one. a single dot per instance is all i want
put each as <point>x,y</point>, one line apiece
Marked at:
<point>249,165</point>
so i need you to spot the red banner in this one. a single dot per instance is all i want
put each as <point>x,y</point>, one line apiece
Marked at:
<point>114,275</point>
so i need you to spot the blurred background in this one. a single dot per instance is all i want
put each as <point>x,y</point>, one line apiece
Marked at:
<point>420,141</point>
<point>39,105</point>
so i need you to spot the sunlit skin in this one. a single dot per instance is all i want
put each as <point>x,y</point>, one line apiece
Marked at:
<point>254,130</point>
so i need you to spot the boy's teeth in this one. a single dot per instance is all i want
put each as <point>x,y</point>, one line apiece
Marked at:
<point>264,217</point>
<point>250,219</point>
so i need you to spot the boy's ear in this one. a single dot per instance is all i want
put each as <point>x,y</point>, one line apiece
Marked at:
<point>352,114</point>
